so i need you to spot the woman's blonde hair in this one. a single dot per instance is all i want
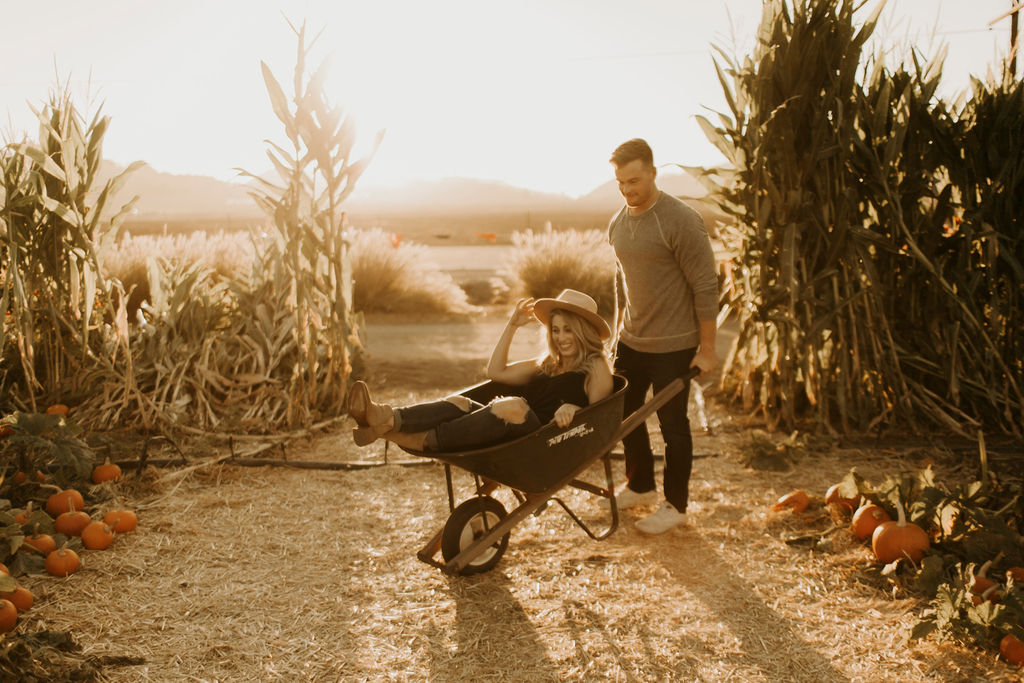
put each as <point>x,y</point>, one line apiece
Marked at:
<point>587,340</point>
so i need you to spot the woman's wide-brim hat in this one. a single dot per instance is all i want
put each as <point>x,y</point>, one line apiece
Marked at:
<point>574,302</point>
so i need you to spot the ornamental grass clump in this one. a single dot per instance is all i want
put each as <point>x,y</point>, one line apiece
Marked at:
<point>131,259</point>
<point>390,278</point>
<point>548,261</point>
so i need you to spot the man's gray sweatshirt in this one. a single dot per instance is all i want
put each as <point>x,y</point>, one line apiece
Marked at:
<point>666,274</point>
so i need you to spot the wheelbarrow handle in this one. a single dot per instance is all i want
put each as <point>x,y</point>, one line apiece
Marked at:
<point>658,400</point>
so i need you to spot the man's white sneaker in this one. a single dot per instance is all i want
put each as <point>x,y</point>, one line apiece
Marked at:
<point>666,517</point>
<point>627,498</point>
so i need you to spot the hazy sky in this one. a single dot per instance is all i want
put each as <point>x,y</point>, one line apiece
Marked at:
<point>535,93</point>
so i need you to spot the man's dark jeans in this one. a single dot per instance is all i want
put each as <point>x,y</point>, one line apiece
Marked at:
<point>644,371</point>
<point>458,430</point>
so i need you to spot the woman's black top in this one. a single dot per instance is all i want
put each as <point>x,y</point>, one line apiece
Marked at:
<point>546,393</point>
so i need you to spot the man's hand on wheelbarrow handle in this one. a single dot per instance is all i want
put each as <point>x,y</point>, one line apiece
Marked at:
<point>704,362</point>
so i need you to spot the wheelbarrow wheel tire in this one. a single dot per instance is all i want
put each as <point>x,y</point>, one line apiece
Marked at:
<point>468,522</point>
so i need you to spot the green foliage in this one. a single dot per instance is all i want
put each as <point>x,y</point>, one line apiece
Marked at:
<point>399,278</point>
<point>876,273</point>
<point>47,443</point>
<point>970,525</point>
<point>546,262</point>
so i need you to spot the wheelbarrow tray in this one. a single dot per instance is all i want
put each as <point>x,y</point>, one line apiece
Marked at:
<point>539,460</point>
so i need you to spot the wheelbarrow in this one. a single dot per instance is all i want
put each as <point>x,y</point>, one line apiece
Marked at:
<point>535,467</point>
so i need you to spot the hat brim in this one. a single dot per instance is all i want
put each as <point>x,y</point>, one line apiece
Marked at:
<point>542,309</point>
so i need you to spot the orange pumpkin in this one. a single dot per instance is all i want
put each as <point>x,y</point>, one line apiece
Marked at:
<point>8,615</point>
<point>62,562</point>
<point>983,588</point>
<point>57,409</point>
<point>834,497</point>
<point>108,471</point>
<point>121,521</point>
<point>97,536</point>
<point>43,543</point>
<point>20,477</point>
<point>797,501</point>
<point>71,523</point>
<point>22,517</point>
<point>1012,649</point>
<point>893,540</point>
<point>866,519</point>
<point>64,501</point>
<point>20,597</point>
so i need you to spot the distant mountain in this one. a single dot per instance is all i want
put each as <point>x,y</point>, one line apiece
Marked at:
<point>181,196</point>
<point>451,195</point>
<point>170,196</point>
<point>673,181</point>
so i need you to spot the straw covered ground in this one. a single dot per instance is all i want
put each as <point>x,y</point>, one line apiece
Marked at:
<point>275,573</point>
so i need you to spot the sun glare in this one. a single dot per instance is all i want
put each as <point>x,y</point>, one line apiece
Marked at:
<point>534,94</point>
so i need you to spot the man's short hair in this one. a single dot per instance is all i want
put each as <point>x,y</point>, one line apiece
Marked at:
<point>632,150</point>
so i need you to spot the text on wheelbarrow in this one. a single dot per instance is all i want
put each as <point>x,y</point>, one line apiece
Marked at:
<point>578,430</point>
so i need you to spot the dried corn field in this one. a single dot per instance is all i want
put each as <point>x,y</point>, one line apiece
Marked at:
<point>274,573</point>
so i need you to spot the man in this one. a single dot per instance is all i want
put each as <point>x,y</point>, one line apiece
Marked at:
<point>667,292</point>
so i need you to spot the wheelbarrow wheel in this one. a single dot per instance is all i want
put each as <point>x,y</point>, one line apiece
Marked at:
<point>468,522</point>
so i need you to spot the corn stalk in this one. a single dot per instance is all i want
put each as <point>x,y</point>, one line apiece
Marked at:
<point>787,144</point>
<point>308,255</point>
<point>54,222</point>
<point>862,299</point>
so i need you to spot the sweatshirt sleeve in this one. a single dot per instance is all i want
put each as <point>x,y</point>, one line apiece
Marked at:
<point>697,261</point>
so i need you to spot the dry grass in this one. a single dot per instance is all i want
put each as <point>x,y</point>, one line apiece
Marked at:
<point>548,261</point>
<point>226,253</point>
<point>391,276</point>
<point>387,278</point>
<point>280,574</point>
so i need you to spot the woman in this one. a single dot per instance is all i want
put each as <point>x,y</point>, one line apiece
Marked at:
<point>574,372</point>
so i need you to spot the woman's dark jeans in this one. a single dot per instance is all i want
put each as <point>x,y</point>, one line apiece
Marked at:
<point>452,429</point>
<point>655,371</point>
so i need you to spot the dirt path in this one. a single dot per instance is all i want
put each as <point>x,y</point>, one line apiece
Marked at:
<point>281,574</point>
